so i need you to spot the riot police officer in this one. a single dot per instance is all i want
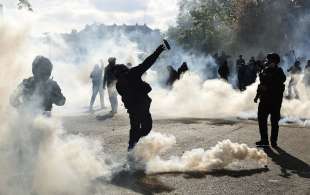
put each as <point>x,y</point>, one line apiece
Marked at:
<point>270,93</point>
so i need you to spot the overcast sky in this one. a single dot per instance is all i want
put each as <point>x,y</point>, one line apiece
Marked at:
<point>64,15</point>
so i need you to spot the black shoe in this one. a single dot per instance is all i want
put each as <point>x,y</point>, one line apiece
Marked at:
<point>274,144</point>
<point>262,143</point>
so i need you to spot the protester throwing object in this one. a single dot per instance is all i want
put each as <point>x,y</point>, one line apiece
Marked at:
<point>134,92</point>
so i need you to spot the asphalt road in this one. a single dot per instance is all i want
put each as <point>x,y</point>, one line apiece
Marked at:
<point>288,171</point>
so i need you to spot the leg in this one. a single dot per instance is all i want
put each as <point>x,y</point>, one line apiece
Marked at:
<point>93,97</point>
<point>101,93</point>
<point>275,117</point>
<point>134,130</point>
<point>262,122</point>
<point>146,125</point>
<point>290,85</point>
<point>113,98</point>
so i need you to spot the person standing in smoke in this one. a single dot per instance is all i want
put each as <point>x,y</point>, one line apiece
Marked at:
<point>307,74</point>
<point>97,81</point>
<point>172,76</point>
<point>270,93</point>
<point>134,92</point>
<point>252,69</point>
<point>241,70</point>
<point>38,92</point>
<point>224,71</point>
<point>109,80</point>
<point>295,71</point>
<point>182,70</point>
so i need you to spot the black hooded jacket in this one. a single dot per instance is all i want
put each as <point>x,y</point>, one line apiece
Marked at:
<point>132,88</point>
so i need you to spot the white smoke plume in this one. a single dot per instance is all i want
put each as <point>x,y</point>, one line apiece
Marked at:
<point>37,156</point>
<point>149,149</point>
<point>41,158</point>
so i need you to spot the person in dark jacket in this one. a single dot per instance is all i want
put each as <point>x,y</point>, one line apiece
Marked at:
<point>182,70</point>
<point>109,80</point>
<point>241,71</point>
<point>252,71</point>
<point>134,92</point>
<point>38,92</point>
<point>270,93</point>
<point>172,76</point>
<point>224,71</point>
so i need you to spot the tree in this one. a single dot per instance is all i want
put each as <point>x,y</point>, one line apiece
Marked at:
<point>24,4</point>
<point>238,25</point>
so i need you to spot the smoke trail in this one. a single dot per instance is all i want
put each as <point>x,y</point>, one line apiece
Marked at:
<point>149,149</point>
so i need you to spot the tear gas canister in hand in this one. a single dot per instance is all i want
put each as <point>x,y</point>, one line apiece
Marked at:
<point>166,44</point>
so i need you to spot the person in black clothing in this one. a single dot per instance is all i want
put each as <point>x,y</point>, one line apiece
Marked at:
<point>109,80</point>
<point>38,92</point>
<point>270,93</point>
<point>224,71</point>
<point>172,76</point>
<point>134,92</point>
<point>182,70</point>
<point>252,71</point>
<point>241,71</point>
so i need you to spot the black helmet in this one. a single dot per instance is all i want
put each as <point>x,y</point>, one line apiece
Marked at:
<point>273,57</point>
<point>42,67</point>
<point>120,70</point>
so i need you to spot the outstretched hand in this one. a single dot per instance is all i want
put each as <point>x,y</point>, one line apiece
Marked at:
<point>160,48</point>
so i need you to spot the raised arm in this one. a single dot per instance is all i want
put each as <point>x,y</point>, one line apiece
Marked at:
<point>149,61</point>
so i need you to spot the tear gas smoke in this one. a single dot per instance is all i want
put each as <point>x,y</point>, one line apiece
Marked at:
<point>149,149</point>
<point>37,155</point>
<point>193,97</point>
<point>40,157</point>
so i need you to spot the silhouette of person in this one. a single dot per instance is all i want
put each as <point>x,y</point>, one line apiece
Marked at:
<point>252,71</point>
<point>109,80</point>
<point>38,92</point>
<point>182,70</point>
<point>241,71</point>
<point>295,71</point>
<point>97,82</point>
<point>270,93</point>
<point>224,71</point>
<point>134,92</point>
<point>172,76</point>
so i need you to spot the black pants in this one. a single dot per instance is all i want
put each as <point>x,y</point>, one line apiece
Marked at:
<point>140,124</point>
<point>264,110</point>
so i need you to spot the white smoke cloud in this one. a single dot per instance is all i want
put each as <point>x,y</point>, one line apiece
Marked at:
<point>37,155</point>
<point>62,16</point>
<point>149,149</point>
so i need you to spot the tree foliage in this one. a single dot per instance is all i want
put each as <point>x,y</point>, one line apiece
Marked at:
<point>24,4</point>
<point>234,25</point>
